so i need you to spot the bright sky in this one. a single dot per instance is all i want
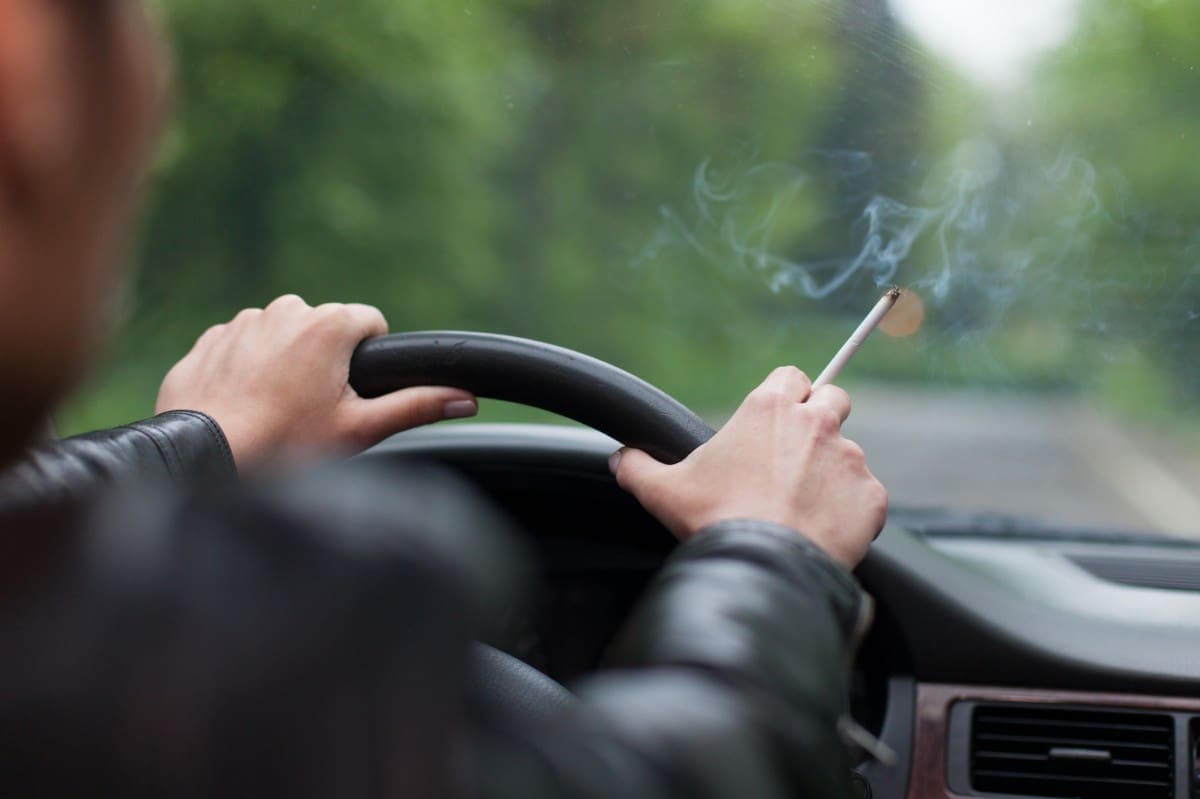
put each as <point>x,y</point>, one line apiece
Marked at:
<point>992,41</point>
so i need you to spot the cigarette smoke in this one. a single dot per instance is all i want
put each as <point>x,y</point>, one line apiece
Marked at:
<point>995,241</point>
<point>975,223</point>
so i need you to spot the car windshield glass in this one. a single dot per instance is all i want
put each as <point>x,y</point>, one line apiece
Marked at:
<point>700,190</point>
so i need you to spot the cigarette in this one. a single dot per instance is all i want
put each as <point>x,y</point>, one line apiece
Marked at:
<point>885,304</point>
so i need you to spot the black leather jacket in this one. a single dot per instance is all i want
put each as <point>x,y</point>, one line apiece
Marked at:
<point>308,636</point>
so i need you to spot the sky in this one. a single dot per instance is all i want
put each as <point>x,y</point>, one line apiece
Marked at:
<point>993,42</point>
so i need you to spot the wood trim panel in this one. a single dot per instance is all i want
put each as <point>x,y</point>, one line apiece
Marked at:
<point>928,780</point>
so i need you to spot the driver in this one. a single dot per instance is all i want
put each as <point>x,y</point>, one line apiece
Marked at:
<point>170,628</point>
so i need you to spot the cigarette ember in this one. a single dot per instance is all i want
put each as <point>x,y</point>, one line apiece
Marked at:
<point>843,356</point>
<point>906,318</point>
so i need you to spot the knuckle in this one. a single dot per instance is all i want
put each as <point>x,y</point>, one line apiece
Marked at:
<point>877,496</point>
<point>209,338</point>
<point>756,399</point>
<point>769,396</point>
<point>789,380</point>
<point>287,301</point>
<point>825,421</point>
<point>795,374</point>
<point>329,316</point>
<point>855,451</point>
<point>330,311</point>
<point>786,372</point>
<point>372,317</point>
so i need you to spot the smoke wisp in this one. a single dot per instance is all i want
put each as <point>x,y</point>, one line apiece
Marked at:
<point>977,222</point>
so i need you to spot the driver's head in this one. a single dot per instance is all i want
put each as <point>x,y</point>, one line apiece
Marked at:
<point>80,97</point>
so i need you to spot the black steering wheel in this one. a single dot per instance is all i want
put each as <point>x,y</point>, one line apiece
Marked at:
<point>537,374</point>
<point>544,376</point>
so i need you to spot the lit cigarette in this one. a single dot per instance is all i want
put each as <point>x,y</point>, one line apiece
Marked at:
<point>885,304</point>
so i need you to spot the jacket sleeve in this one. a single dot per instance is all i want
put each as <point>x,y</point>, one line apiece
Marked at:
<point>179,447</point>
<point>729,680</point>
<point>309,637</point>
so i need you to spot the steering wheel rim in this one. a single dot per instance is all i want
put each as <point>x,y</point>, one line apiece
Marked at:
<point>534,373</point>
<point>544,376</point>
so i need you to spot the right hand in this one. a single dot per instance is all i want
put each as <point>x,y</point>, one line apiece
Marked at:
<point>781,458</point>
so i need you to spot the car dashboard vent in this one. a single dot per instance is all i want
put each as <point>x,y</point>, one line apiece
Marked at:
<point>1033,750</point>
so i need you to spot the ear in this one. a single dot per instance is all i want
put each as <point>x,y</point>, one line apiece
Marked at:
<point>36,124</point>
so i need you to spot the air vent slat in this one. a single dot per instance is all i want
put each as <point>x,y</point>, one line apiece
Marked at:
<point>1055,751</point>
<point>1080,741</point>
<point>1142,764</point>
<point>1135,730</point>
<point>1042,778</point>
<point>1107,729</point>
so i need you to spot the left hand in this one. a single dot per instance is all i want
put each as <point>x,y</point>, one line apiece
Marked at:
<point>277,382</point>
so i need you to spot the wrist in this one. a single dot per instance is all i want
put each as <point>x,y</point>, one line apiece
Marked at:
<point>790,534</point>
<point>814,535</point>
<point>786,552</point>
<point>240,439</point>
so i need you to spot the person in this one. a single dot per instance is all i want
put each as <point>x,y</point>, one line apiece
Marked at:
<point>168,627</point>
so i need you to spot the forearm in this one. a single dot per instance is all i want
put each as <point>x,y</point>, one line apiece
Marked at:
<point>179,447</point>
<point>743,597</point>
<point>729,680</point>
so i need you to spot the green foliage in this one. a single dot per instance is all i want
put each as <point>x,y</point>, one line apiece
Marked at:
<point>627,177</point>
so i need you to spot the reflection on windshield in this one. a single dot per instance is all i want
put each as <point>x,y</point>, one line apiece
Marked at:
<point>701,190</point>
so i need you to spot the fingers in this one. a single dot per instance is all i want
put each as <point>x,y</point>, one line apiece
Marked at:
<point>833,398</point>
<point>376,419</point>
<point>343,324</point>
<point>635,470</point>
<point>365,320</point>
<point>353,318</point>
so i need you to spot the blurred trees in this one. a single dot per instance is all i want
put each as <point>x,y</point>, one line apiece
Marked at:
<point>1126,100</point>
<point>627,177</point>
<point>333,149</point>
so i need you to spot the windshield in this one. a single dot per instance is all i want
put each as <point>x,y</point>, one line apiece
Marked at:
<point>700,190</point>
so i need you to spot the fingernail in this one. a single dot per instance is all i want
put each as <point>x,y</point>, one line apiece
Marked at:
<point>460,409</point>
<point>614,460</point>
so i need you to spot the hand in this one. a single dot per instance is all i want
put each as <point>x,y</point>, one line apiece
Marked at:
<point>781,458</point>
<point>276,381</point>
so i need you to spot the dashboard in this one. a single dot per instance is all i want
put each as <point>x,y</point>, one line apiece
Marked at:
<point>981,636</point>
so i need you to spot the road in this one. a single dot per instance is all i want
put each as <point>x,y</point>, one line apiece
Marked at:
<point>1054,460</point>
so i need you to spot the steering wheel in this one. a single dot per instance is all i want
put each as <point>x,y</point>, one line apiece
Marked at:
<point>544,376</point>
<point>537,374</point>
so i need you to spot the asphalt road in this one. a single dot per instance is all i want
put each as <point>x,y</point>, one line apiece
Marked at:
<point>1054,460</point>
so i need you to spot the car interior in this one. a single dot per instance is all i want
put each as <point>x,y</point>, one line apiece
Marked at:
<point>697,192</point>
<point>1017,661</point>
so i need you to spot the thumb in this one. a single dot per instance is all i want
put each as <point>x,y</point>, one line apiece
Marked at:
<point>378,418</point>
<point>635,471</point>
